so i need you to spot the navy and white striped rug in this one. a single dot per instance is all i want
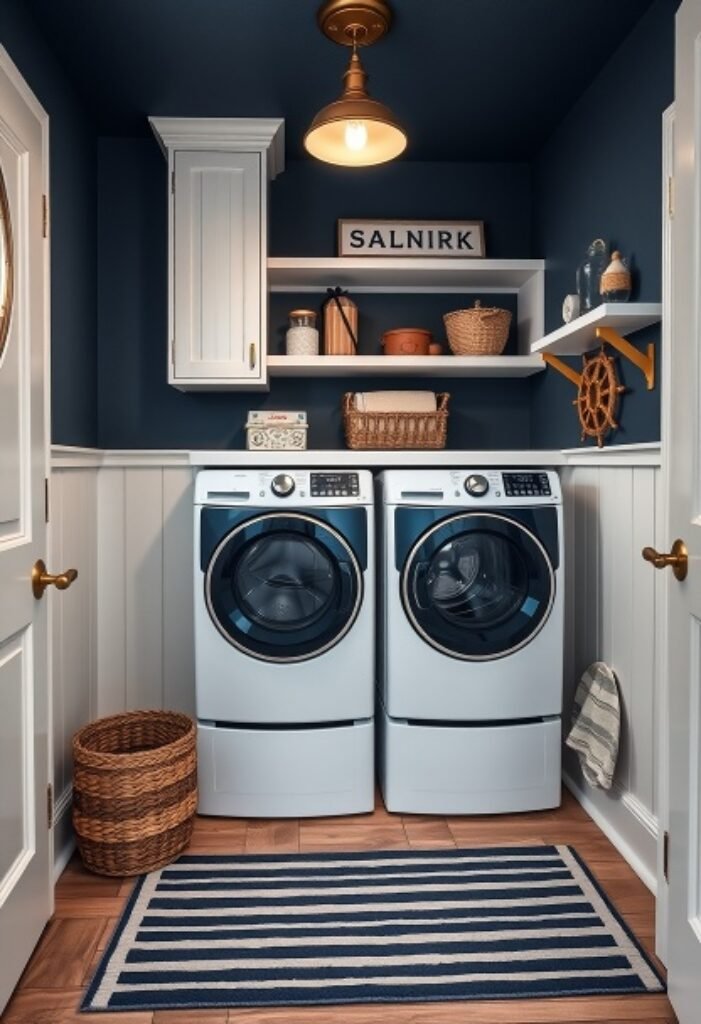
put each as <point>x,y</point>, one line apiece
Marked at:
<point>400,926</point>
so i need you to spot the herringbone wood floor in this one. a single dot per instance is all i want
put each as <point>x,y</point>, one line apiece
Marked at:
<point>87,908</point>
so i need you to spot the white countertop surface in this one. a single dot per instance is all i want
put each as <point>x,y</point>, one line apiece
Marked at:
<point>644,454</point>
<point>346,457</point>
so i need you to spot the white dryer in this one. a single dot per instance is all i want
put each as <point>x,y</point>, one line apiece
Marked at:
<point>284,641</point>
<point>471,648</point>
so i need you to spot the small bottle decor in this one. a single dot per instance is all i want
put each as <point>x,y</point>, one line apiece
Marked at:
<point>589,275</point>
<point>615,280</point>
<point>302,337</point>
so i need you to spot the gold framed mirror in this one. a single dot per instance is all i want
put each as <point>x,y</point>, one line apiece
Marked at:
<point>6,265</point>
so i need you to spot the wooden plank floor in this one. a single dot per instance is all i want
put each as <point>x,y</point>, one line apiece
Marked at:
<point>87,908</point>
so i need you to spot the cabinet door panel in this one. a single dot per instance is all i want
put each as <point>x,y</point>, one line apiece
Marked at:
<point>217,266</point>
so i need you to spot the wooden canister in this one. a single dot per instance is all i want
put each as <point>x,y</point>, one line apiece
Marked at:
<point>340,335</point>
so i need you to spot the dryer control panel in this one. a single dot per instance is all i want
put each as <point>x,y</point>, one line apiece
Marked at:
<point>336,485</point>
<point>526,485</point>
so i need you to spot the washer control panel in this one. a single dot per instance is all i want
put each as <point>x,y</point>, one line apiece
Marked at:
<point>282,485</point>
<point>334,485</point>
<point>526,485</point>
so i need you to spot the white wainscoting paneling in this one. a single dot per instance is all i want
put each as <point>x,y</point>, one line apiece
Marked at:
<point>122,635</point>
<point>72,544</point>
<point>611,513</point>
<point>144,600</point>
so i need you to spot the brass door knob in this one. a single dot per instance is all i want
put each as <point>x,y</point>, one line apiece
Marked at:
<point>41,579</point>
<point>678,559</point>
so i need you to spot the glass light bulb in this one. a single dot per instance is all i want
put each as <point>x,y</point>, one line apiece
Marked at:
<point>356,135</point>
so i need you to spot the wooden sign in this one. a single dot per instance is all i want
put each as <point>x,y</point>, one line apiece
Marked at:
<point>455,239</point>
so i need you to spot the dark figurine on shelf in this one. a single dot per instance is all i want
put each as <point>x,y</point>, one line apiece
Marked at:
<point>589,274</point>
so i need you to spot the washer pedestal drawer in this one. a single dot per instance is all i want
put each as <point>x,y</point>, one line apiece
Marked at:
<point>469,769</point>
<point>285,773</point>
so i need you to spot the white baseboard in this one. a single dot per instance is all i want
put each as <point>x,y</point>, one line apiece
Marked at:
<point>635,808</point>
<point>641,813</point>
<point>61,858</point>
<point>64,839</point>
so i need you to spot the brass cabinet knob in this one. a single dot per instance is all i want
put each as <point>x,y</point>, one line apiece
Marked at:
<point>678,559</point>
<point>41,579</point>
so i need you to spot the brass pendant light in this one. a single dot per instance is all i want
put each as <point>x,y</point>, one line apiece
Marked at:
<point>355,130</point>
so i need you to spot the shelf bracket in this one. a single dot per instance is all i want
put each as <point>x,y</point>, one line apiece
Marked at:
<point>645,363</point>
<point>563,368</point>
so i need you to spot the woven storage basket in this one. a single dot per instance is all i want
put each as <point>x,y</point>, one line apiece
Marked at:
<point>134,790</point>
<point>480,331</point>
<point>395,429</point>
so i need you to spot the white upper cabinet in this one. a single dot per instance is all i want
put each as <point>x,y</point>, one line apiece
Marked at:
<point>219,170</point>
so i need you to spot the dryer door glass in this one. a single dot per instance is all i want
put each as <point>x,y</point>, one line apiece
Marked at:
<point>478,586</point>
<point>283,587</point>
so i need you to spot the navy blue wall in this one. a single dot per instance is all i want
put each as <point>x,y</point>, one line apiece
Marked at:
<point>73,183</point>
<point>309,197</point>
<point>600,176</point>
<point>138,409</point>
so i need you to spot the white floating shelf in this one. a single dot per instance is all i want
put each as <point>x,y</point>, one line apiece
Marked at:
<point>404,366</point>
<point>383,274</point>
<point>579,336</point>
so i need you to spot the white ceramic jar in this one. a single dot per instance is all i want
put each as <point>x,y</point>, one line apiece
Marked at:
<point>302,337</point>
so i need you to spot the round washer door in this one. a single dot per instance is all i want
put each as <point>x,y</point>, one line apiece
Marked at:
<point>283,587</point>
<point>478,586</point>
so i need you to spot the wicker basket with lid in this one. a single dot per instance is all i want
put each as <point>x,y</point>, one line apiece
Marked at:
<point>480,331</point>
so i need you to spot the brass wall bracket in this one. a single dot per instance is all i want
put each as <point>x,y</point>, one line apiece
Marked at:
<point>645,363</point>
<point>563,368</point>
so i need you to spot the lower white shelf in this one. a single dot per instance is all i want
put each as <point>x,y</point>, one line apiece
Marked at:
<point>404,366</point>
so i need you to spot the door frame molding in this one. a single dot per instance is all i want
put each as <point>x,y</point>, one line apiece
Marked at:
<point>662,530</point>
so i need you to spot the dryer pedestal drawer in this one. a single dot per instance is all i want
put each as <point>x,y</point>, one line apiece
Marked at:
<point>427,769</point>
<point>286,773</point>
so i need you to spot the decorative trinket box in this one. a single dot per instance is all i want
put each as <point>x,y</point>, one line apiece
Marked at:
<point>281,431</point>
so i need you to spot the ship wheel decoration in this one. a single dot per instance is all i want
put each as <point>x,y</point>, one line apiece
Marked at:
<point>597,400</point>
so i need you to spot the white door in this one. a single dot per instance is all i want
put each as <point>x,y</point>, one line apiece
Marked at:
<point>25,879</point>
<point>684,599</point>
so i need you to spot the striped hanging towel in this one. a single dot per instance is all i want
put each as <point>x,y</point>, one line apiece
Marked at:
<point>596,724</point>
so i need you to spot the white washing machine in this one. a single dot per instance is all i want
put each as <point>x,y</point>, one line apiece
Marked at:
<point>284,642</point>
<point>471,645</point>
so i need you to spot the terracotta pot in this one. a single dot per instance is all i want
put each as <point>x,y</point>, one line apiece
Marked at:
<point>407,341</point>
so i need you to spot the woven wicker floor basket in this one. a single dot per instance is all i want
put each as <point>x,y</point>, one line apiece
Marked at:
<point>393,430</point>
<point>478,331</point>
<point>134,790</point>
